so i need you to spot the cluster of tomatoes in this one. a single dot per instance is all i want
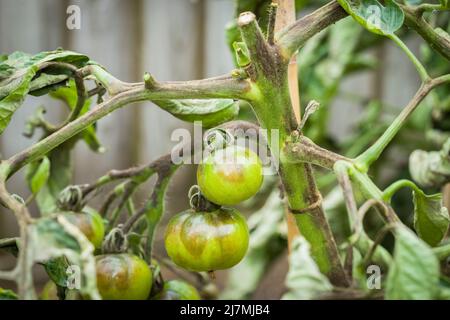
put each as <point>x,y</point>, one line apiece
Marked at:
<point>210,236</point>
<point>214,237</point>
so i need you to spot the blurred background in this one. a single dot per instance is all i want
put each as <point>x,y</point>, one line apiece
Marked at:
<point>186,39</point>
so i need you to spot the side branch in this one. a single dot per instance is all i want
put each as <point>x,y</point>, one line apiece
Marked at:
<point>439,41</point>
<point>294,36</point>
<point>305,150</point>
<point>223,87</point>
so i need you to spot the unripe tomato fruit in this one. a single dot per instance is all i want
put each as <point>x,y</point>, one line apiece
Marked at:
<point>207,241</point>
<point>231,175</point>
<point>123,277</point>
<point>177,290</point>
<point>90,224</point>
<point>49,291</point>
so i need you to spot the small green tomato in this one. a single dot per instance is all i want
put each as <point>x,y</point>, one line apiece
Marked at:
<point>177,290</point>
<point>231,175</point>
<point>207,241</point>
<point>90,224</point>
<point>123,277</point>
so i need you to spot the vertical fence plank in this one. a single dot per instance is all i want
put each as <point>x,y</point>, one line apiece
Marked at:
<point>107,36</point>
<point>24,27</point>
<point>218,58</point>
<point>172,48</point>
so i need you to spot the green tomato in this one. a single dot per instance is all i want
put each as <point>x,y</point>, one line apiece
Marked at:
<point>177,290</point>
<point>207,241</point>
<point>90,224</point>
<point>231,175</point>
<point>123,277</point>
<point>49,292</point>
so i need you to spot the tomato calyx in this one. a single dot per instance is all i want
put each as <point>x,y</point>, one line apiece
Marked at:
<point>115,242</point>
<point>158,280</point>
<point>217,138</point>
<point>71,199</point>
<point>199,203</point>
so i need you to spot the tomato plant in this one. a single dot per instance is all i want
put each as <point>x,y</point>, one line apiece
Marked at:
<point>331,200</point>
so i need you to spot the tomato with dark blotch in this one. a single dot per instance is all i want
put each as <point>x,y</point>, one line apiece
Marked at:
<point>231,175</point>
<point>177,290</point>
<point>207,241</point>
<point>123,277</point>
<point>90,224</point>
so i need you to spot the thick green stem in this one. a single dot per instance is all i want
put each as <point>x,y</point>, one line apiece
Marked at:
<point>271,102</point>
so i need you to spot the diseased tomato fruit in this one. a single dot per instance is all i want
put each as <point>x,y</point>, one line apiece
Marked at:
<point>123,277</point>
<point>230,175</point>
<point>90,224</point>
<point>177,290</point>
<point>207,241</point>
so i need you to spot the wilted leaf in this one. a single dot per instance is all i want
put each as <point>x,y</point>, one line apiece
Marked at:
<point>46,83</point>
<point>414,273</point>
<point>17,73</point>
<point>37,174</point>
<point>211,112</point>
<point>431,218</point>
<point>375,17</point>
<point>52,235</point>
<point>304,280</point>
<point>56,239</point>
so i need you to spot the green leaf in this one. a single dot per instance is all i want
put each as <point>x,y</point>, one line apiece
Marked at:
<point>60,177</point>
<point>17,73</point>
<point>211,112</point>
<point>431,219</point>
<point>445,3</point>
<point>241,53</point>
<point>304,280</point>
<point>57,270</point>
<point>414,273</point>
<point>375,17</point>
<point>37,174</point>
<point>46,83</point>
<point>6,294</point>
